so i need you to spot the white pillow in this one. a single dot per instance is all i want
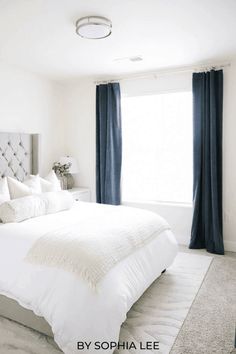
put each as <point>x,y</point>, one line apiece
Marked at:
<point>4,190</point>
<point>46,186</point>
<point>34,183</point>
<point>57,201</point>
<point>50,183</point>
<point>17,189</point>
<point>20,209</point>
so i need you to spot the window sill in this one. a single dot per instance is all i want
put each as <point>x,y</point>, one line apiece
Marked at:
<point>156,202</point>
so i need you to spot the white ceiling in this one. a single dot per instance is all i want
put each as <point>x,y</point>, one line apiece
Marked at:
<point>39,35</point>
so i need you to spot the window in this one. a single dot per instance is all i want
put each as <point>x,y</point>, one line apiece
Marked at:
<point>157,148</point>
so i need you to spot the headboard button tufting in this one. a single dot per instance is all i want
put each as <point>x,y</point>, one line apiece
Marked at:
<point>19,155</point>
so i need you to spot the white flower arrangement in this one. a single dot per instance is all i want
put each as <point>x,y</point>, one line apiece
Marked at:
<point>61,170</point>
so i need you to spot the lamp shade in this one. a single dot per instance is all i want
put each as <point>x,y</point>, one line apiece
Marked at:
<point>69,159</point>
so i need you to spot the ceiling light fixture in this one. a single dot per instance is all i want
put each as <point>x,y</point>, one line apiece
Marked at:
<point>93,27</point>
<point>135,59</point>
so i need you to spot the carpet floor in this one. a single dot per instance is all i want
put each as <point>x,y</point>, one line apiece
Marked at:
<point>164,312</point>
<point>210,325</point>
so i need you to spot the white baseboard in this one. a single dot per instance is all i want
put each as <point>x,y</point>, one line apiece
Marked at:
<point>230,246</point>
<point>182,239</point>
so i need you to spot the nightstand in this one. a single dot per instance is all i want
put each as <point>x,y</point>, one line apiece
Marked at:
<point>81,194</point>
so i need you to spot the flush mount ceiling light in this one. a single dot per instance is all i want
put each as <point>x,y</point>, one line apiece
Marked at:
<point>133,59</point>
<point>93,27</point>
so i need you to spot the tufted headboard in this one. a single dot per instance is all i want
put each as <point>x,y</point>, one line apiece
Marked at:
<point>19,155</point>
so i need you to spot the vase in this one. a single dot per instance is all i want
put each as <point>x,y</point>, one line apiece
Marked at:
<point>70,180</point>
<point>63,182</point>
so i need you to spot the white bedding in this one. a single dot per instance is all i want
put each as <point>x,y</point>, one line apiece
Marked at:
<point>74,311</point>
<point>91,250</point>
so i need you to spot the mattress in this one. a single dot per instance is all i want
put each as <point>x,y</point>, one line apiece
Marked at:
<point>72,311</point>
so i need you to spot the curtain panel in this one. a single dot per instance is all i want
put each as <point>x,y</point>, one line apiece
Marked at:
<point>108,143</point>
<point>207,225</point>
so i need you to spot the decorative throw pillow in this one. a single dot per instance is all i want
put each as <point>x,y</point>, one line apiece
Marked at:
<point>46,186</point>
<point>20,209</point>
<point>50,183</point>
<point>4,191</point>
<point>18,189</point>
<point>57,201</point>
<point>34,183</point>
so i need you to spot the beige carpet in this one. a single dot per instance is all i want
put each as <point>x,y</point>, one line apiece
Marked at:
<point>157,316</point>
<point>211,322</point>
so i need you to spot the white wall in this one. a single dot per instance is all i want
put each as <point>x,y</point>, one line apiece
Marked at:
<point>80,142</point>
<point>158,84</point>
<point>31,104</point>
<point>229,157</point>
<point>80,138</point>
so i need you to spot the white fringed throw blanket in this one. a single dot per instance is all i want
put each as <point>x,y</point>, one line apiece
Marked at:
<point>91,249</point>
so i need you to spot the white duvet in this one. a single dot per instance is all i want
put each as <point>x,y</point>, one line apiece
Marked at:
<point>75,312</point>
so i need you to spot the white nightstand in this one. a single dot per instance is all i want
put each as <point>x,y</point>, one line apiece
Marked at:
<point>81,194</point>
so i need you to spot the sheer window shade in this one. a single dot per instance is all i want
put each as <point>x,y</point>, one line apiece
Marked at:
<point>157,147</point>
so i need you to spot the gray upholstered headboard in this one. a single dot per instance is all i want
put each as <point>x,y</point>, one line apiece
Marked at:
<point>19,155</point>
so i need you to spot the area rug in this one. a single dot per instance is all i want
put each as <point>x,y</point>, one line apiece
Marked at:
<point>156,317</point>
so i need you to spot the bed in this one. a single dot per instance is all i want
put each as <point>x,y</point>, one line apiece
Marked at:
<point>73,307</point>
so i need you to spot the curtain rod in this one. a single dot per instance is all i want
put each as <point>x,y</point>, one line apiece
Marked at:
<point>200,68</point>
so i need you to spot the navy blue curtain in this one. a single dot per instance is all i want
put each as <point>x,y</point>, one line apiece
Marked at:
<point>207,229</point>
<point>108,143</point>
